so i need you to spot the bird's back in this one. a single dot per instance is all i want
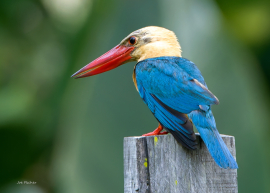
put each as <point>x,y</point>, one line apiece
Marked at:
<point>175,91</point>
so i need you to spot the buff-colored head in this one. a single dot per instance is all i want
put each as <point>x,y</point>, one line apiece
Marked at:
<point>148,42</point>
<point>152,42</point>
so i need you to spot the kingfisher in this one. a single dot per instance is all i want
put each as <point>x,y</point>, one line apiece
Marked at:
<point>171,86</point>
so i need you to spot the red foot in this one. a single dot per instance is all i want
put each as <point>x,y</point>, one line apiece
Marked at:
<point>157,131</point>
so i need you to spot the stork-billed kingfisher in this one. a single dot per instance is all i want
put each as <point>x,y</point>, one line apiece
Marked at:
<point>172,87</point>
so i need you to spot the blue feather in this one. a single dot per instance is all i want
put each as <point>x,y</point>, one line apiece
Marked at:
<point>172,84</point>
<point>173,87</point>
<point>177,123</point>
<point>205,124</point>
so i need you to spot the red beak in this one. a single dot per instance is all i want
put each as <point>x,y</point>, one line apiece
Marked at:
<point>108,61</point>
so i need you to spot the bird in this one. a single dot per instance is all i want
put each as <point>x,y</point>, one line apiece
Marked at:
<point>171,86</point>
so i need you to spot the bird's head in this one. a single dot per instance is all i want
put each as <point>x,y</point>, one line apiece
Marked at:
<point>148,42</point>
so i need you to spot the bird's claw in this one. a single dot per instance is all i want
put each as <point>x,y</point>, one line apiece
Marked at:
<point>157,131</point>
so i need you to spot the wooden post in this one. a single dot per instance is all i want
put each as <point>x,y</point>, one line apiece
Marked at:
<point>158,164</point>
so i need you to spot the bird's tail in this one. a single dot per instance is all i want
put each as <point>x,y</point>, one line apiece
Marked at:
<point>205,124</point>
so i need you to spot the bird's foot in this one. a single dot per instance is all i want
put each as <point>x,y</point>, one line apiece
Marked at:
<point>157,131</point>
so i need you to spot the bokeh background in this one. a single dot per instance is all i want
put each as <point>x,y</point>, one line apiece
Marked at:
<point>67,135</point>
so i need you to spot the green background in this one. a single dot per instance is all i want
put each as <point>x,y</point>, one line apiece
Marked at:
<point>67,135</point>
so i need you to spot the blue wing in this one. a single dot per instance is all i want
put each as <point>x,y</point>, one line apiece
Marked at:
<point>177,123</point>
<point>178,85</point>
<point>173,87</point>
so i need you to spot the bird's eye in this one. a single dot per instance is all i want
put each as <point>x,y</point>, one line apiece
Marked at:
<point>132,40</point>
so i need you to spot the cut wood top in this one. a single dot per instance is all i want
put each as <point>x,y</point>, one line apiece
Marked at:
<point>160,164</point>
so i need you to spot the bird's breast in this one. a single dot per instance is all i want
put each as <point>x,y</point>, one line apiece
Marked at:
<point>134,77</point>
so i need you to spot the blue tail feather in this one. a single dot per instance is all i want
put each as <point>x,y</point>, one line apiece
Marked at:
<point>205,124</point>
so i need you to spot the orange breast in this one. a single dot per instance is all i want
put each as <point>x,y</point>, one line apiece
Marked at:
<point>134,78</point>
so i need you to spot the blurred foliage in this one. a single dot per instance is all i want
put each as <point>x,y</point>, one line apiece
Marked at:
<point>67,134</point>
<point>249,22</point>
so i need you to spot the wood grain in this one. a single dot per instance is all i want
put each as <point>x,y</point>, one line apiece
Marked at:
<point>158,164</point>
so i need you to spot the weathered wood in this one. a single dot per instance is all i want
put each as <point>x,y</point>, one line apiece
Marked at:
<point>158,164</point>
